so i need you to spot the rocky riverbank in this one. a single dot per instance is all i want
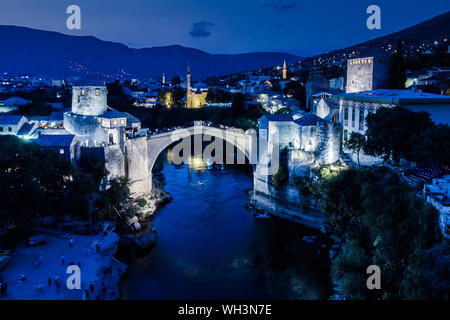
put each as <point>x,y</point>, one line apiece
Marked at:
<point>148,204</point>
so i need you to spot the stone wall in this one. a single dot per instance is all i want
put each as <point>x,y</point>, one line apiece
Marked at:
<point>286,203</point>
<point>137,166</point>
<point>299,163</point>
<point>86,128</point>
<point>328,145</point>
<point>115,161</point>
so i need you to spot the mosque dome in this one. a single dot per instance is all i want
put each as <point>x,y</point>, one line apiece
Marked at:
<point>200,85</point>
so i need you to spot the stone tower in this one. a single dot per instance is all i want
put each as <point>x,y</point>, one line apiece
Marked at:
<point>369,73</point>
<point>284,70</point>
<point>89,100</point>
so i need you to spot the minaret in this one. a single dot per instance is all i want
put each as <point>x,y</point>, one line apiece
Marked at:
<point>284,70</point>
<point>164,79</point>
<point>188,86</point>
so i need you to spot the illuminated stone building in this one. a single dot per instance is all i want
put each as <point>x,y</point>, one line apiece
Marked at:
<point>107,134</point>
<point>369,73</point>
<point>195,95</point>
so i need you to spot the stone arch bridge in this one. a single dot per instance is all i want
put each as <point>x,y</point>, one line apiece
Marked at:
<point>245,142</point>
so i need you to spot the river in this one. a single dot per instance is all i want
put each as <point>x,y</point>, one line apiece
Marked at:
<point>211,247</point>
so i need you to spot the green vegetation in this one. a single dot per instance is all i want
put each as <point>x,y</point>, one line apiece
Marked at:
<point>280,178</point>
<point>172,97</point>
<point>112,200</point>
<point>294,89</point>
<point>383,222</point>
<point>396,133</point>
<point>397,74</point>
<point>356,142</point>
<point>386,224</point>
<point>218,95</point>
<point>36,182</point>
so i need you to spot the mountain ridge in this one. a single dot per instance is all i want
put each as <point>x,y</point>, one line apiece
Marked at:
<point>57,54</point>
<point>435,28</point>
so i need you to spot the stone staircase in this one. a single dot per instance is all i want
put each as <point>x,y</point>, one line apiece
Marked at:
<point>347,159</point>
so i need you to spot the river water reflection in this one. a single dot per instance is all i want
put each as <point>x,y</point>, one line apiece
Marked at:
<point>211,247</point>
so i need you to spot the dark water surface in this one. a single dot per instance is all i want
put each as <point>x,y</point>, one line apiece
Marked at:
<point>211,247</point>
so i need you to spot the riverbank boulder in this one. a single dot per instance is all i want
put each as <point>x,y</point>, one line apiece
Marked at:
<point>147,240</point>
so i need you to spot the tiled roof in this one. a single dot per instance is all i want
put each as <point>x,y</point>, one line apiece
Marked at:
<point>396,96</point>
<point>309,120</point>
<point>55,140</point>
<point>10,119</point>
<point>277,117</point>
<point>131,119</point>
<point>26,129</point>
<point>114,114</point>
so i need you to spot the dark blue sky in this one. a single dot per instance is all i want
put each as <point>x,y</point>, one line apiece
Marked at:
<point>219,26</point>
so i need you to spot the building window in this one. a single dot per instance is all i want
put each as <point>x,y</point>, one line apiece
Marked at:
<point>9,129</point>
<point>83,92</point>
<point>361,119</point>
<point>353,114</point>
<point>346,114</point>
<point>61,151</point>
<point>1,129</point>
<point>345,134</point>
<point>97,92</point>
<point>111,138</point>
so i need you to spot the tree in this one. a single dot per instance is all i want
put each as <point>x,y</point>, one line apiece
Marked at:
<point>297,91</point>
<point>176,80</point>
<point>94,167</point>
<point>166,98</point>
<point>32,180</point>
<point>389,132</point>
<point>397,73</point>
<point>218,95</point>
<point>386,224</point>
<point>356,143</point>
<point>280,178</point>
<point>113,198</point>
<point>238,105</point>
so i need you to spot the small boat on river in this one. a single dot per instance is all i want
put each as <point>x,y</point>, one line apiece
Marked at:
<point>262,215</point>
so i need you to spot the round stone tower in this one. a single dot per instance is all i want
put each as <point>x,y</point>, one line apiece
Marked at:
<point>89,100</point>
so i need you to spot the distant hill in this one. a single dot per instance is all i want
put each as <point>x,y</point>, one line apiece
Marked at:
<point>437,28</point>
<point>59,55</point>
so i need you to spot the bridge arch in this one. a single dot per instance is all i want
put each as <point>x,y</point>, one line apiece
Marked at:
<point>245,142</point>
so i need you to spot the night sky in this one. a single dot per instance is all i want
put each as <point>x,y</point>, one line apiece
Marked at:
<point>302,27</point>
